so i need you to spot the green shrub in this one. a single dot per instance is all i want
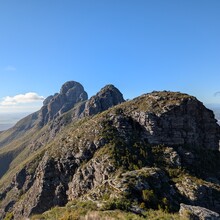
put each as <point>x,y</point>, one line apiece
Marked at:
<point>117,203</point>
<point>129,153</point>
<point>150,198</point>
<point>9,216</point>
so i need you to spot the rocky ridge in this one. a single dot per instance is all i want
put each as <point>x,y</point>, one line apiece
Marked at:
<point>107,97</point>
<point>58,111</point>
<point>160,149</point>
<point>70,94</point>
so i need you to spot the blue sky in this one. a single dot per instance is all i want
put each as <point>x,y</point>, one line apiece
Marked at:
<point>137,45</point>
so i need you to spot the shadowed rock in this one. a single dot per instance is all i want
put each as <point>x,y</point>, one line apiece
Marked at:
<point>151,149</point>
<point>70,94</point>
<point>197,212</point>
<point>106,98</point>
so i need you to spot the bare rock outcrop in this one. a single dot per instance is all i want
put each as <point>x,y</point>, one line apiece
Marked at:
<point>95,173</point>
<point>178,119</point>
<point>70,94</point>
<point>108,97</point>
<point>197,213</point>
<point>48,187</point>
<point>148,150</point>
<point>199,193</point>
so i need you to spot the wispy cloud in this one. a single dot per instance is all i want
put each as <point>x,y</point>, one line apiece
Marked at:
<point>217,93</point>
<point>29,97</point>
<point>10,68</point>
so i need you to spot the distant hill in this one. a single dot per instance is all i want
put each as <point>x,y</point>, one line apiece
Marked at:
<point>78,157</point>
<point>4,127</point>
<point>7,120</point>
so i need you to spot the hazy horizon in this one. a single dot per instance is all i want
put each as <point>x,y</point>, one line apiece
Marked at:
<point>8,120</point>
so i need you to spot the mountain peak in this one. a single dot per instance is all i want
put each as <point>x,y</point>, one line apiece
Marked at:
<point>160,149</point>
<point>70,94</point>
<point>70,85</point>
<point>109,86</point>
<point>106,98</point>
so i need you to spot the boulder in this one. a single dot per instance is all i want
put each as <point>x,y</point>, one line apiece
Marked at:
<point>197,213</point>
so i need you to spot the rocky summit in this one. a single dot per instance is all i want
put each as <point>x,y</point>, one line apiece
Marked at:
<point>70,94</point>
<point>79,158</point>
<point>108,96</point>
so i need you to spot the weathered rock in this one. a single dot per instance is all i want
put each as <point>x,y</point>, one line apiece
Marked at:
<point>109,96</point>
<point>178,119</point>
<point>49,98</point>
<point>93,174</point>
<point>172,157</point>
<point>199,193</point>
<point>187,156</point>
<point>146,142</point>
<point>144,179</point>
<point>197,213</point>
<point>48,189</point>
<point>70,94</point>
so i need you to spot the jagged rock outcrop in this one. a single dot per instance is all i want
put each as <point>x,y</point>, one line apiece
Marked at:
<point>48,188</point>
<point>174,120</point>
<point>197,213</point>
<point>199,193</point>
<point>108,97</point>
<point>70,94</point>
<point>160,149</point>
<point>49,98</point>
<point>95,173</point>
<point>71,100</point>
<point>50,183</point>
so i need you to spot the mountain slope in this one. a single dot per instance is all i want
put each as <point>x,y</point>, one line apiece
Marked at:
<point>160,149</point>
<point>59,110</point>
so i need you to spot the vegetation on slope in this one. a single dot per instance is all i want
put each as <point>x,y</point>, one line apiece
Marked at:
<point>89,210</point>
<point>143,174</point>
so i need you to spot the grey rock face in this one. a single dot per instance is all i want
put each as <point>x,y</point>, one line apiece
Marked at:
<point>95,173</point>
<point>48,187</point>
<point>73,91</point>
<point>50,183</point>
<point>49,98</point>
<point>172,157</point>
<point>70,94</point>
<point>200,194</point>
<point>109,96</point>
<point>197,213</point>
<point>145,178</point>
<point>74,168</point>
<point>187,122</point>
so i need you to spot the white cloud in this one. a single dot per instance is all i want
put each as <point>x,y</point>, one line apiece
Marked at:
<point>26,98</point>
<point>10,68</point>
